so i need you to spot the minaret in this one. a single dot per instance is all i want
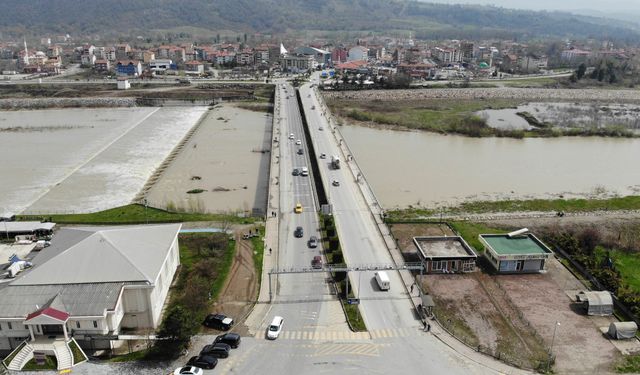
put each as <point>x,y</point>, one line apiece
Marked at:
<point>26,53</point>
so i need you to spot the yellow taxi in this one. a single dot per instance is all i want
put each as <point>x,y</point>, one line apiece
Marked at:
<point>298,208</point>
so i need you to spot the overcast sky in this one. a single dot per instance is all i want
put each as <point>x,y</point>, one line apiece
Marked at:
<point>610,6</point>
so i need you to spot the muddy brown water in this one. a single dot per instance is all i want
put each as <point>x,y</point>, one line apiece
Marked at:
<point>418,168</point>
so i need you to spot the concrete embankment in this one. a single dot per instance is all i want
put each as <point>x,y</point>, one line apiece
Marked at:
<point>490,93</point>
<point>39,103</point>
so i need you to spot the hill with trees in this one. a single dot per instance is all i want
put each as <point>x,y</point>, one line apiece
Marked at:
<point>113,17</point>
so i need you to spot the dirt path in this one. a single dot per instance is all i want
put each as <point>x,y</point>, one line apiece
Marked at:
<point>241,288</point>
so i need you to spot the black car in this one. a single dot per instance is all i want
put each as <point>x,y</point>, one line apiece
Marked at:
<point>295,172</point>
<point>300,151</point>
<point>298,232</point>
<point>218,350</point>
<point>218,321</point>
<point>231,339</point>
<point>203,361</point>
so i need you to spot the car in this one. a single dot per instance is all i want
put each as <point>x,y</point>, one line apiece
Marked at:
<point>275,328</point>
<point>218,321</point>
<point>298,142</point>
<point>291,136</point>
<point>313,107</point>
<point>298,208</point>
<point>313,242</point>
<point>231,339</point>
<point>321,128</point>
<point>295,172</point>
<point>323,156</point>
<point>299,232</point>
<point>219,350</point>
<point>335,183</point>
<point>316,263</point>
<point>203,361</point>
<point>188,370</point>
<point>300,151</point>
<point>304,171</point>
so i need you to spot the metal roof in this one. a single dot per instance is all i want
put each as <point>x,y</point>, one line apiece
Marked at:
<point>78,299</point>
<point>102,255</point>
<point>25,226</point>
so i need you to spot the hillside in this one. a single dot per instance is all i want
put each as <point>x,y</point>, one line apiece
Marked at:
<point>274,16</point>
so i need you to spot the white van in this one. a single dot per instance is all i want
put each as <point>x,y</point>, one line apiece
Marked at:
<point>383,280</point>
<point>304,172</point>
<point>275,328</point>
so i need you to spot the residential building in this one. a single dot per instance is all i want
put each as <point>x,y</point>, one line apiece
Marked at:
<point>110,54</point>
<point>89,285</point>
<point>194,67</point>
<point>102,65</point>
<point>148,56</point>
<point>160,65</point>
<point>123,51</point>
<point>87,60</point>
<point>129,68</point>
<point>54,50</point>
<point>575,55</point>
<point>532,63</point>
<point>245,57</point>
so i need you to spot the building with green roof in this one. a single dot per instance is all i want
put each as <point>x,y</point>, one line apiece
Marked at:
<point>516,252</point>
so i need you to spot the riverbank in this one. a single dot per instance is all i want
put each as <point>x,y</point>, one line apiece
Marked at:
<point>42,103</point>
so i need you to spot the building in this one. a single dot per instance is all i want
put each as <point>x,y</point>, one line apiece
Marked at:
<point>123,83</point>
<point>160,65</point>
<point>88,286</point>
<point>10,229</point>
<point>129,68</point>
<point>358,53</point>
<point>321,57</point>
<point>515,252</point>
<point>575,56</point>
<point>245,57</point>
<point>446,254</point>
<point>297,63</point>
<point>102,66</point>
<point>532,63</point>
<point>194,67</point>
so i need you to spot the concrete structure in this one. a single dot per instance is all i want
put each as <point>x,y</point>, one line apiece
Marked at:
<point>445,254</point>
<point>160,65</point>
<point>9,229</point>
<point>358,53</point>
<point>194,67</point>
<point>320,56</point>
<point>297,63</point>
<point>522,253</point>
<point>598,303</point>
<point>89,284</point>
<point>123,83</point>
<point>532,63</point>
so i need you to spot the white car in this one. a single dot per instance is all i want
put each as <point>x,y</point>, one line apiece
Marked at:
<point>291,136</point>
<point>298,142</point>
<point>275,328</point>
<point>188,370</point>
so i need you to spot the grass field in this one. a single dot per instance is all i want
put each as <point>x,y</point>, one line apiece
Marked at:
<point>135,214</point>
<point>436,115</point>
<point>628,263</point>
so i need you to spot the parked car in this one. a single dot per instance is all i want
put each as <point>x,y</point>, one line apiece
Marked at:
<point>275,328</point>
<point>231,339</point>
<point>298,208</point>
<point>218,321</point>
<point>316,262</point>
<point>188,370</point>
<point>295,172</point>
<point>299,232</point>
<point>219,350</point>
<point>203,361</point>
<point>313,242</point>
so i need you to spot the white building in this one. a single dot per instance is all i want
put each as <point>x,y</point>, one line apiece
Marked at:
<point>358,53</point>
<point>160,65</point>
<point>297,63</point>
<point>89,285</point>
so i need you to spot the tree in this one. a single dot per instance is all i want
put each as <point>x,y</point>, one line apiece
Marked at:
<point>582,69</point>
<point>245,38</point>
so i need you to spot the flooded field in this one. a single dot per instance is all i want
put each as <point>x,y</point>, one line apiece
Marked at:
<point>566,115</point>
<point>222,165</point>
<point>83,160</point>
<point>416,168</point>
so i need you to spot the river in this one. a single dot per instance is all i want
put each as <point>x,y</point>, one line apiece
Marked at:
<point>426,169</point>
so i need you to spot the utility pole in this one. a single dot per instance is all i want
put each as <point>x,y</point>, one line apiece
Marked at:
<point>553,339</point>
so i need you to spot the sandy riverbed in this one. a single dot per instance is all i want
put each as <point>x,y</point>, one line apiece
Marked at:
<point>223,159</point>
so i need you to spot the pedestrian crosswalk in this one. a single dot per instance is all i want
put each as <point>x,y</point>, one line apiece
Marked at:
<point>345,335</point>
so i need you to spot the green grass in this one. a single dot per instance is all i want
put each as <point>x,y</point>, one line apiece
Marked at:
<point>135,214</point>
<point>630,364</point>
<point>78,356</point>
<point>628,263</point>
<point>354,317</point>
<point>223,270</point>
<point>49,364</point>
<point>13,354</point>
<point>258,253</point>
<point>544,205</point>
<point>470,231</point>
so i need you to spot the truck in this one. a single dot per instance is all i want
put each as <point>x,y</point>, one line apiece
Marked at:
<point>383,280</point>
<point>335,162</point>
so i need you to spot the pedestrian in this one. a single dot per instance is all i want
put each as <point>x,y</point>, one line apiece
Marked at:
<point>412,287</point>
<point>428,326</point>
<point>269,251</point>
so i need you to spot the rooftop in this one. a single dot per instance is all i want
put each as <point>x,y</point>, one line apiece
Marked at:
<point>502,244</point>
<point>443,247</point>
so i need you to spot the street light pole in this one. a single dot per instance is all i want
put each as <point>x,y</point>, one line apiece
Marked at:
<point>553,339</point>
